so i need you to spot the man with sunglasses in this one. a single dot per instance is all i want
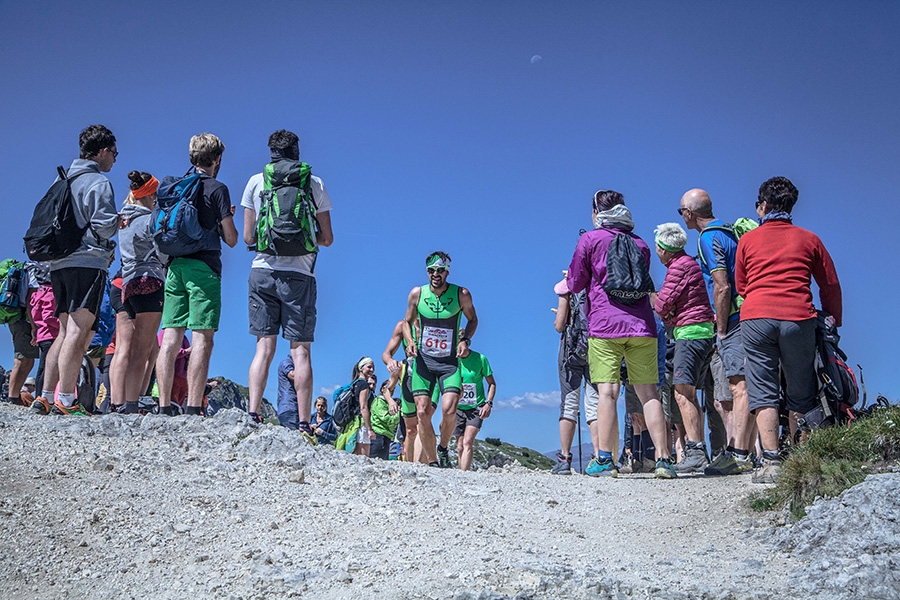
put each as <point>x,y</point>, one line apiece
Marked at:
<point>435,312</point>
<point>79,279</point>
<point>717,245</point>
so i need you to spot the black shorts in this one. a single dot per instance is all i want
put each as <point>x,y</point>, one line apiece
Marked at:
<point>115,299</point>
<point>282,300</point>
<point>144,303</point>
<point>21,339</point>
<point>78,287</point>
<point>471,417</point>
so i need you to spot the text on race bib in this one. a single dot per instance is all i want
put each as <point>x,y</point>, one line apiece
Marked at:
<point>436,341</point>
<point>469,394</point>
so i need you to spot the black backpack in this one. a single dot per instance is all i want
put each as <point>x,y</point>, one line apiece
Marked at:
<point>838,391</point>
<point>627,274</point>
<point>54,233</point>
<point>345,405</point>
<point>576,335</point>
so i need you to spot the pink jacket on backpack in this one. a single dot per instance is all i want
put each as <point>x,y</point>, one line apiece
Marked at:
<point>43,305</point>
<point>683,299</point>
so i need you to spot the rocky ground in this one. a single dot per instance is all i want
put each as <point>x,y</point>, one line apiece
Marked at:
<point>154,507</point>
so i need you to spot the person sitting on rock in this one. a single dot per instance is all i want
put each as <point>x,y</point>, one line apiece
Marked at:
<point>321,422</point>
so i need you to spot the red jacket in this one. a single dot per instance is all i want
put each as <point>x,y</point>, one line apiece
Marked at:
<point>774,267</point>
<point>683,299</point>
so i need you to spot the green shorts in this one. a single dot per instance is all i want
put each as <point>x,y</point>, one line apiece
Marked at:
<point>605,359</point>
<point>193,296</point>
<point>428,374</point>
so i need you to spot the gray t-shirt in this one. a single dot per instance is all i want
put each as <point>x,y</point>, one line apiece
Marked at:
<point>299,264</point>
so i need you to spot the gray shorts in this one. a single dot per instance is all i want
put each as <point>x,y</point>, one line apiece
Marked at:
<point>731,348</point>
<point>572,376</point>
<point>691,361</point>
<point>790,344</point>
<point>467,418</point>
<point>21,340</point>
<point>282,300</point>
<point>721,389</point>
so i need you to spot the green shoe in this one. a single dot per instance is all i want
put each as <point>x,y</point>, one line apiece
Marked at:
<point>607,468</point>
<point>665,469</point>
<point>76,410</point>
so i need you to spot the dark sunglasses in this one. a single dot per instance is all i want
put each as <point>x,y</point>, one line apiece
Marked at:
<point>433,270</point>
<point>759,203</point>
<point>682,209</point>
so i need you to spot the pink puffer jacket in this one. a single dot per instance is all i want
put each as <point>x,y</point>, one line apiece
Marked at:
<point>683,299</point>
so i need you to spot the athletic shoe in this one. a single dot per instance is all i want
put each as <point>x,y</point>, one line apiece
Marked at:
<point>443,457</point>
<point>607,468</point>
<point>434,464</point>
<point>768,472</point>
<point>728,464</point>
<point>40,406</point>
<point>641,466</point>
<point>694,461</point>
<point>76,410</point>
<point>665,469</point>
<point>308,434</point>
<point>563,465</point>
<point>255,418</point>
<point>13,401</point>
<point>627,467</point>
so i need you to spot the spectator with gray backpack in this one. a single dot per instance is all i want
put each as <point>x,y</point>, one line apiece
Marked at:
<point>571,324</point>
<point>79,249</point>
<point>194,214</point>
<point>287,217</point>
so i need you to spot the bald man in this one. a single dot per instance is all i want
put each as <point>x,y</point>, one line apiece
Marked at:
<point>718,248</point>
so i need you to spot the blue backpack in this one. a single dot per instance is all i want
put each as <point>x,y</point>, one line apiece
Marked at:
<point>176,225</point>
<point>345,405</point>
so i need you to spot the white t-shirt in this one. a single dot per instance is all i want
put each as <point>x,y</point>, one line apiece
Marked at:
<point>299,264</point>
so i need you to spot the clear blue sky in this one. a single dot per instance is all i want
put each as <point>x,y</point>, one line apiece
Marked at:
<point>433,128</point>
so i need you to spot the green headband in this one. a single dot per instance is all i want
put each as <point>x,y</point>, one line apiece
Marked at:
<point>667,247</point>
<point>437,261</point>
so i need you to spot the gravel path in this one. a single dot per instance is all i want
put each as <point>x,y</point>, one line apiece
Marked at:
<point>153,507</point>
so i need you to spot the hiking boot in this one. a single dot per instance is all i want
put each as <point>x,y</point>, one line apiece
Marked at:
<point>627,467</point>
<point>728,464</point>
<point>76,410</point>
<point>443,456</point>
<point>768,472</point>
<point>40,406</point>
<point>665,469</point>
<point>607,468</point>
<point>256,418</point>
<point>563,465</point>
<point>694,461</point>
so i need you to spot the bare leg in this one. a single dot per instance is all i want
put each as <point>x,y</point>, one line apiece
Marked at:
<point>426,436</point>
<point>119,368</point>
<point>198,367</point>
<point>18,375</point>
<point>654,417</point>
<point>75,338</point>
<point>566,435</point>
<point>767,421</point>
<point>449,401</point>
<point>165,364</point>
<point>468,442</point>
<point>259,371</point>
<point>607,417</point>
<point>141,348</point>
<point>686,397</point>
<point>303,378</point>
<point>412,433</point>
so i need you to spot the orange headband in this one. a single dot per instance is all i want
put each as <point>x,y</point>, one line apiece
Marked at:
<point>147,189</point>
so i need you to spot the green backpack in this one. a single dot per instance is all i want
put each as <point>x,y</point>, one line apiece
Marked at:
<point>287,224</point>
<point>736,230</point>
<point>12,307</point>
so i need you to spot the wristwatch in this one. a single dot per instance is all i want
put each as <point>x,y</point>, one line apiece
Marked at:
<point>467,341</point>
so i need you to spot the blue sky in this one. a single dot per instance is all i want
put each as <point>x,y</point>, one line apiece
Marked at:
<point>433,129</point>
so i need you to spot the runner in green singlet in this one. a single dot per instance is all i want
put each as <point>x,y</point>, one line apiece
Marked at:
<point>474,406</point>
<point>401,371</point>
<point>435,311</point>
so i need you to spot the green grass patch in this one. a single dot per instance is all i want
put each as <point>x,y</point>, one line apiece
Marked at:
<point>833,460</point>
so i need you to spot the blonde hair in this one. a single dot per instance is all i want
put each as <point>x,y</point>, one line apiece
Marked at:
<point>205,148</point>
<point>130,199</point>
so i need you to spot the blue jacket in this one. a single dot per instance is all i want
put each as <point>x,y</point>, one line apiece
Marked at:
<point>330,431</point>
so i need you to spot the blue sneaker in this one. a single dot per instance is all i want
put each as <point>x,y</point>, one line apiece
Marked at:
<point>607,468</point>
<point>665,469</point>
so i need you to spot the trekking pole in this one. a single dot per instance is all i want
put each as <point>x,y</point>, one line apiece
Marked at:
<point>578,430</point>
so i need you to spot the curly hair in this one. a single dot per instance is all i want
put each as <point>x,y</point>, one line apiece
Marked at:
<point>93,139</point>
<point>671,234</point>
<point>779,194</point>
<point>204,149</point>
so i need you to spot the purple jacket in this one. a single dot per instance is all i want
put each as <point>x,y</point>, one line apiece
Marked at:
<point>607,319</point>
<point>683,299</point>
